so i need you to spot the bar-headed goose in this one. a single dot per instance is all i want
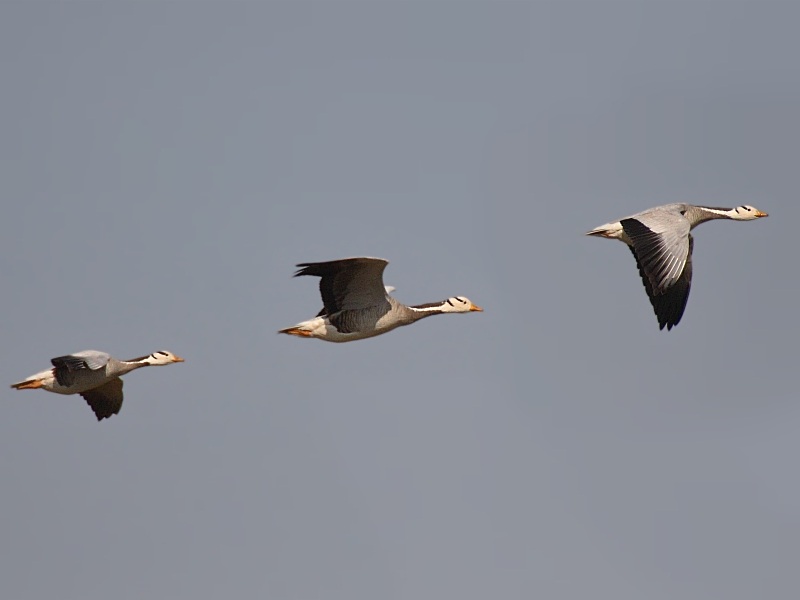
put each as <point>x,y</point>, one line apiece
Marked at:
<point>95,376</point>
<point>662,245</point>
<point>358,305</point>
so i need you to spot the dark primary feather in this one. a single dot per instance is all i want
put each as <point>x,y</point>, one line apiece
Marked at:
<point>65,368</point>
<point>105,400</point>
<point>669,305</point>
<point>348,284</point>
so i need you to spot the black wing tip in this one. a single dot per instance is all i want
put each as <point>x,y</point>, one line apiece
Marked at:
<point>101,416</point>
<point>669,310</point>
<point>304,270</point>
<point>668,305</point>
<point>100,410</point>
<point>670,313</point>
<point>316,269</point>
<point>323,268</point>
<point>668,324</point>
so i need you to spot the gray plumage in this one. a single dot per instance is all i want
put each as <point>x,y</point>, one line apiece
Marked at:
<point>357,304</point>
<point>350,283</point>
<point>94,375</point>
<point>662,246</point>
<point>354,295</point>
<point>71,367</point>
<point>91,366</point>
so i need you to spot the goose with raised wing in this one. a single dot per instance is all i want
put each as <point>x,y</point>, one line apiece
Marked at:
<point>662,245</point>
<point>95,376</point>
<point>357,305</point>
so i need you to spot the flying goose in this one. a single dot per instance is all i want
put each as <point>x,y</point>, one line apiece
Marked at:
<point>662,245</point>
<point>358,305</point>
<point>94,375</point>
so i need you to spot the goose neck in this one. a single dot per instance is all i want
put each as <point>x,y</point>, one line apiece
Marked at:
<point>420,311</point>
<point>701,214</point>
<point>126,366</point>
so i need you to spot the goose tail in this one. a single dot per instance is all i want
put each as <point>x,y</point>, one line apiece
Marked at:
<point>609,230</point>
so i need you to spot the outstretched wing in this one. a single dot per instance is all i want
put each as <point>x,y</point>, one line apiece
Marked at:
<point>105,400</point>
<point>670,304</point>
<point>389,290</point>
<point>661,241</point>
<point>348,284</point>
<point>67,366</point>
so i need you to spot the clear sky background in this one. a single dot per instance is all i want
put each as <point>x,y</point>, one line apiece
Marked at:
<point>164,166</point>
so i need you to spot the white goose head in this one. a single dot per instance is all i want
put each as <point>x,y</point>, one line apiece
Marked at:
<point>161,358</point>
<point>459,304</point>
<point>746,213</point>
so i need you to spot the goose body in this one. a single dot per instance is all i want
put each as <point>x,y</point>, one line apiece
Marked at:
<point>662,244</point>
<point>94,375</point>
<point>357,305</point>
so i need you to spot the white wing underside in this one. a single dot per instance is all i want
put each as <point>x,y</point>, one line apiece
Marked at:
<point>662,245</point>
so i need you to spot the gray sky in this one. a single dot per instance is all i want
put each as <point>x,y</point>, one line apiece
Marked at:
<point>163,168</point>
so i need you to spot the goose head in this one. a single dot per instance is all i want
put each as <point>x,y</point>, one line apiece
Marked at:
<point>459,304</point>
<point>161,358</point>
<point>746,213</point>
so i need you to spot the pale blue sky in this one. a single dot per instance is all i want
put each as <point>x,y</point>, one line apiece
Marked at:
<point>165,165</point>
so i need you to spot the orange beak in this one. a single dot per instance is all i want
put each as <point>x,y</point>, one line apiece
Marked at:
<point>475,308</point>
<point>177,359</point>
<point>761,214</point>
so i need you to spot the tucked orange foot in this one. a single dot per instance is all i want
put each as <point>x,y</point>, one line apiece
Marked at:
<point>295,331</point>
<point>28,385</point>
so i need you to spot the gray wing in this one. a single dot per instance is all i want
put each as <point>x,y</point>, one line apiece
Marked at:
<point>660,239</point>
<point>670,305</point>
<point>66,366</point>
<point>105,400</point>
<point>348,284</point>
<point>389,290</point>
